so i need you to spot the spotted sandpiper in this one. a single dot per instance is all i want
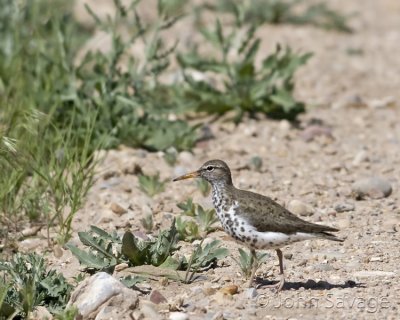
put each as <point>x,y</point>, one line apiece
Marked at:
<point>256,220</point>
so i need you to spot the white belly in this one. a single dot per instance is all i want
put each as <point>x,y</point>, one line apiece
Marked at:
<point>241,231</point>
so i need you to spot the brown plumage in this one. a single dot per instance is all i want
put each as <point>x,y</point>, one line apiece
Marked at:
<point>253,219</point>
<point>266,214</point>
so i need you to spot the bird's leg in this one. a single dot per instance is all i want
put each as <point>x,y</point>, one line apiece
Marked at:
<point>254,264</point>
<point>281,274</point>
<point>278,286</point>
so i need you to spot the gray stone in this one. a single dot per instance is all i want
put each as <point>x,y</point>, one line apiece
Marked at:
<point>255,163</point>
<point>343,207</point>
<point>156,297</point>
<point>315,130</point>
<point>323,267</point>
<point>372,187</point>
<point>103,297</point>
<point>251,293</point>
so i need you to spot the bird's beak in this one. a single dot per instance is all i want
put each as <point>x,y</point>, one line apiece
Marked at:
<point>194,174</point>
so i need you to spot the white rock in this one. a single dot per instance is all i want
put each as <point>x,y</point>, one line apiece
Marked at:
<point>178,316</point>
<point>251,293</point>
<point>373,187</point>
<point>40,312</point>
<point>284,125</point>
<point>382,103</point>
<point>103,297</point>
<point>149,312</point>
<point>179,171</point>
<point>375,259</point>
<point>29,245</point>
<point>360,157</point>
<point>300,208</point>
<point>185,157</point>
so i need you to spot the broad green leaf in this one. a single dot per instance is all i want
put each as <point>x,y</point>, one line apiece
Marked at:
<point>171,263</point>
<point>130,281</point>
<point>93,243</point>
<point>87,258</point>
<point>131,250</point>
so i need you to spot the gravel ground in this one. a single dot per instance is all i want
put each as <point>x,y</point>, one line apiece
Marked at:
<point>351,132</point>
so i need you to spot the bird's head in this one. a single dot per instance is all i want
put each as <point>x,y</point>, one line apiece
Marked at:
<point>213,171</point>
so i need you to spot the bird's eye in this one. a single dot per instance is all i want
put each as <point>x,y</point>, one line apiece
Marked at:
<point>210,168</point>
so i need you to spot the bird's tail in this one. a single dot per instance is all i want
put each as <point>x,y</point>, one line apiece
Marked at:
<point>328,236</point>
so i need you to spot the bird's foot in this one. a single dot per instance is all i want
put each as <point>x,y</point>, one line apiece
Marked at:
<point>277,287</point>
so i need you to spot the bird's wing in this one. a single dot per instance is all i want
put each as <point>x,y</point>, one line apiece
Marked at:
<point>266,215</point>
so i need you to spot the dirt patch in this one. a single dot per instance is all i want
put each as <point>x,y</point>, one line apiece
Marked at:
<point>349,78</point>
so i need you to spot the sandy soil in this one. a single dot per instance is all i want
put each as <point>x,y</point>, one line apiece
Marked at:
<point>356,99</point>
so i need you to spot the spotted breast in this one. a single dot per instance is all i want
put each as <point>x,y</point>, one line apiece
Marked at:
<point>235,224</point>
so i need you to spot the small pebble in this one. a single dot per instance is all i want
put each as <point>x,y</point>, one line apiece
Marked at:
<point>255,163</point>
<point>185,157</point>
<point>29,245</point>
<point>344,207</point>
<point>110,174</point>
<point>251,293</point>
<point>156,297</point>
<point>58,251</point>
<point>229,290</point>
<point>117,209</point>
<point>313,131</point>
<point>288,256</point>
<point>382,103</point>
<point>375,259</point>
<point>372,187</point>
<point>209,291</point>
<point>360,157</point>
<point>300,208</point>
<point>323,267</point>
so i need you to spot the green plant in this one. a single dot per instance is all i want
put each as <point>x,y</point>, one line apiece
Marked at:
<point>188,230</point>
<point>147,223</point>
<point>153,252</point>
<point>29,284</point>
<point>170,156</point>
<point>245,261</point>
<point>188,207</point>
<point>131,281</point>
<point>203,186</point>
<point>69,313</point>
<point>284,11</point>
<point>204,257</point>
<point>47,172</point>
<point>256,163</point>
<point>133,106</point>
<point>243,87</point>
<point>106,250</point>
<point>46,168</point>
<point>195,222</point>
<point>151,185</point>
